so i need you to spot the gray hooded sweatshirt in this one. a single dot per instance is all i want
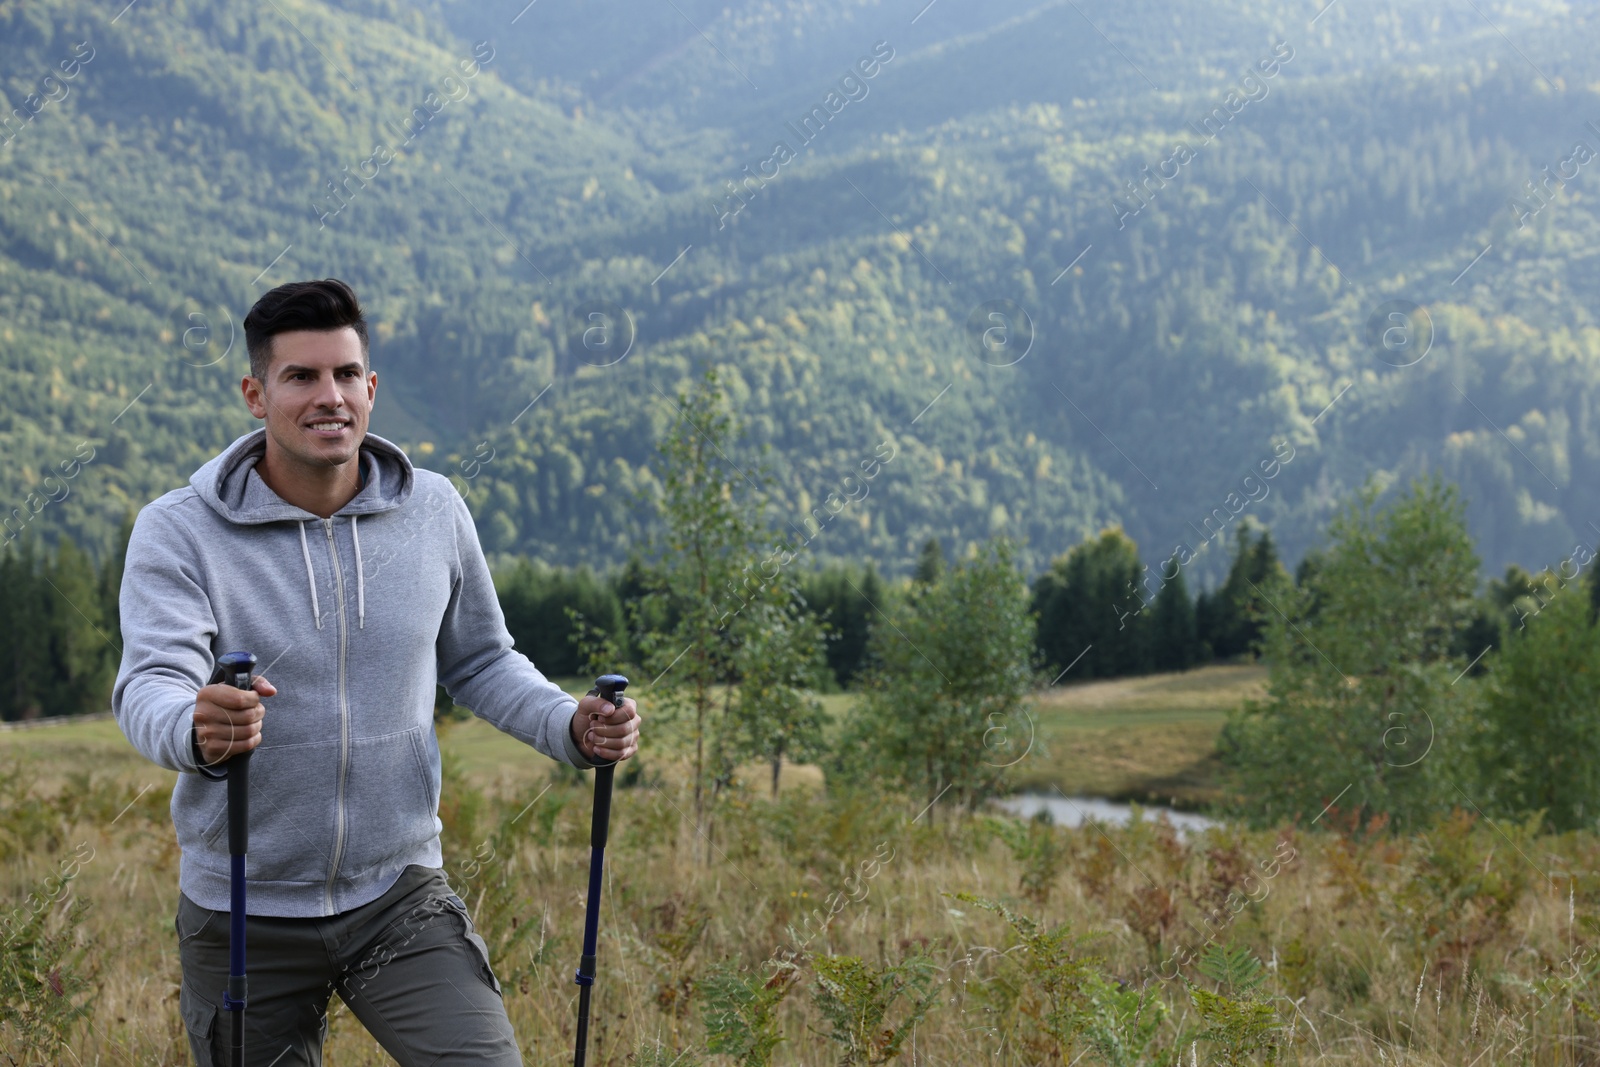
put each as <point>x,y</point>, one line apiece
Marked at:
<point>353,619</point>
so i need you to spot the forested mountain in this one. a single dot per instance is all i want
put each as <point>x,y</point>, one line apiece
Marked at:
<point>492,176</point>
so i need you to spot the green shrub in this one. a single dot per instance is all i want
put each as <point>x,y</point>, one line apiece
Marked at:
<point>740,1010</point>
<point>1239,1018</point>
<point>856,999</point>
<point>39,976</point>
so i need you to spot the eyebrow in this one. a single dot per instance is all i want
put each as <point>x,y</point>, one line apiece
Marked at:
<point>293,368</point>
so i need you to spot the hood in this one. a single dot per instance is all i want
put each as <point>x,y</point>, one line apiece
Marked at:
<point>229,484</point>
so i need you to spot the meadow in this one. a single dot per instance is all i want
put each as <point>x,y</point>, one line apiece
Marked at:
<point>980,939</point>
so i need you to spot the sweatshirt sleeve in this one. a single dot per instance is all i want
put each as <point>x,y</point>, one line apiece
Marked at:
<point>481,670</point>
<point>167,631</point>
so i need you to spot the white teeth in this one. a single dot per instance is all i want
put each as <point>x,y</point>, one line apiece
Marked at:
<point>327,425</point>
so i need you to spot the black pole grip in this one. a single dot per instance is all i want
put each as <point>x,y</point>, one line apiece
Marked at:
<point>238,670</point>
<point>609,687</point>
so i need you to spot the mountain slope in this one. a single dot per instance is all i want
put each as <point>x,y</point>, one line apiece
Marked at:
<point>1207,327</point>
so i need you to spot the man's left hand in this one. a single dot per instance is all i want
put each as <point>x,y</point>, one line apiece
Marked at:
<point>605,732</point>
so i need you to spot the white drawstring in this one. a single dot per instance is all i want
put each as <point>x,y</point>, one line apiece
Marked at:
<point>361,584</point>
<point>311,578</point>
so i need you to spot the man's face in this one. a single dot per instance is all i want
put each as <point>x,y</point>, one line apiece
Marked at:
<point>316,401</point>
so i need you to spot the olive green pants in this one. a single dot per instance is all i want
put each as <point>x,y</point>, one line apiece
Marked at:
<point>408,965</point>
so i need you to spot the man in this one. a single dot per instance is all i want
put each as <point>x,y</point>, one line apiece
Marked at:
<point>358,581</point>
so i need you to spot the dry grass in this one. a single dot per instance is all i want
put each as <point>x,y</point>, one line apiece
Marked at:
<point>1424,950</point>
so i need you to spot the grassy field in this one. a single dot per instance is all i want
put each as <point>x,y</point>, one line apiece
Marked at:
<point>1464,945</point>
<point>1147,739</point>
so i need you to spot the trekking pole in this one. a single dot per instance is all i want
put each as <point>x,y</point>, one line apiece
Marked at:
<point>236,669</point>
<point>609,687</point>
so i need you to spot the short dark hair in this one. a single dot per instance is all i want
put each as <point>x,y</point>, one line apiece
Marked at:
<point>328,304</point>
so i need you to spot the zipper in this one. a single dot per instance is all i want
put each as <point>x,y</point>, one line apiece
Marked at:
<point>344,724</point>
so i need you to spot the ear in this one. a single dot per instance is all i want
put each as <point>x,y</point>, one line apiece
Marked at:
<point>372,388</point>
<point>254,396</point>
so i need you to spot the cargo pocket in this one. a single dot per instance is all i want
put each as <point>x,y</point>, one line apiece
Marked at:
<point>200,1020</point>
<point>479,946</point>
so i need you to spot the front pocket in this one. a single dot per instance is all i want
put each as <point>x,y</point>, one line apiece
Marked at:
<point>292,794</point>
<point>389,808</point>
<point>192,920</point>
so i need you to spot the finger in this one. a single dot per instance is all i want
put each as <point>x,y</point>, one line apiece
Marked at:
<point>231,699</point>
<point>264,687</point>
<point>248,717</point>
<point>231,716</point>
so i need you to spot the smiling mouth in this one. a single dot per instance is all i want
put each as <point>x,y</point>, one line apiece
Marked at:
<point>329,428</point>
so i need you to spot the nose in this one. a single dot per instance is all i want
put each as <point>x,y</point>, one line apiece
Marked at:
<point>329,398</point>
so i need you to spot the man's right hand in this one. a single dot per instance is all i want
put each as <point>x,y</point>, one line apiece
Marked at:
<point>227,721</point>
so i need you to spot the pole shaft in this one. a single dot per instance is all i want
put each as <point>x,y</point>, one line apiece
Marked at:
<point>609,687</point>
<point>236,669</point>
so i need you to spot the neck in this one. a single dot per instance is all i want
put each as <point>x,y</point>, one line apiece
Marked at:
<point>321,490</point>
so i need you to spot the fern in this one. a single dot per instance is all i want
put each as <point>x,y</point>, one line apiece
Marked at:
<point>1240,1022</point>
<point>740,1011</point>
<point>39,980</point>
<point>1060,980</point>
<point>1119,1023</point>
<point>1235,969</point>
<point>856,998</point>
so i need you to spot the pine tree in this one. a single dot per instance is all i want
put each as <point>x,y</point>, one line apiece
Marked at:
<point>80,677</point>
<point>111,589</point>
<point>930,562</point>
<point>843,602</point>
<point>1094,598</point>
<point>1172,627</point>
<point>24,635</point>
<point>1238,610</point>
